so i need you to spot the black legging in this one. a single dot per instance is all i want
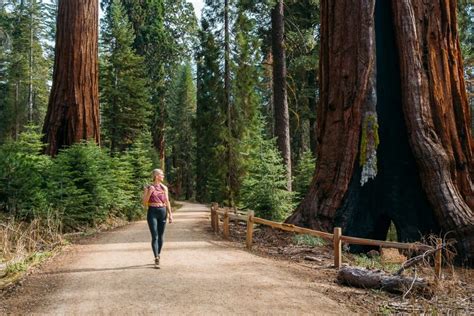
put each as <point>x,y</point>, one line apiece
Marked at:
<point>156,219</point>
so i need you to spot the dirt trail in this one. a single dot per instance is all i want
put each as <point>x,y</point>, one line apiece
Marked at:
<point>113,274</point>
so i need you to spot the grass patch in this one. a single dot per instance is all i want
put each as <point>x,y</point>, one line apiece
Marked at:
<point>386,310</point>
<point>375,262</point>
<point>307,240</point>
<point>17,267</point>
<point>23,265</point>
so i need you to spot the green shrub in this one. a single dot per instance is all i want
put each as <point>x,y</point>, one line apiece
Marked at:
<point>304,172</point>
<point>81,185</point>
<point>122,187</point>
<point>22,180</point>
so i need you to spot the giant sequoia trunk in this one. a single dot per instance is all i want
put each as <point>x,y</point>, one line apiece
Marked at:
<point>394,142</point>
<point>73,110</point>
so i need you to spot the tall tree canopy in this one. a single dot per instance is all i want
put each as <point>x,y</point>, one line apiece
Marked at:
<point>125,98</point>
<point>180,135</point>
<point>24,65</point>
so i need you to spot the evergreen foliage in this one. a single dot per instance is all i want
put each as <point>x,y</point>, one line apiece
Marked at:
<point>24,66</point>
<point>302,49</point>
<point>82,186</point>
<point>304,172</point>
<point>22,176</point>
<point>246,94</point>
<point>264,187</point>
<point>87,185</point>
<point>124,95</point>
<point>181,107</point>
<point>140,157</point>
<point>465,14</point>
<point>210,121</point>
<point>165,41</point>
<point>181,26</point>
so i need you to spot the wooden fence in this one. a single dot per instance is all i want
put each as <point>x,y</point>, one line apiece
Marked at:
<point>336,237</point>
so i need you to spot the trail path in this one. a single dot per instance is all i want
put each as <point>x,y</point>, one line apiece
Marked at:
<point>113,274</point>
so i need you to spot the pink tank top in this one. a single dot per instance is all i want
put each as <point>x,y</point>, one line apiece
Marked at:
<point>157,195</point>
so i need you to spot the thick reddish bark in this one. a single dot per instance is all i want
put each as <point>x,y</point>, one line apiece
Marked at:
<point>437,112</point>
<point>280,100</point>
<point>421,98</point>
<point>346,67</point>
<point>73,110</point>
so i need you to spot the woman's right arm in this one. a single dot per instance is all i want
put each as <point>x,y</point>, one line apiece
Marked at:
<point>146,196</point>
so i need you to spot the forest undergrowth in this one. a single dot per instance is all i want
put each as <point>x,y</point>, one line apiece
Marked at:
<point>46,202</point>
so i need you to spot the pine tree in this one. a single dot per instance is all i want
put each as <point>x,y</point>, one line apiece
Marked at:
<point>210,120</point>
<point>304,174</point>
<point>23,66</point>
<point>165,32</point>
<point>302,48</point>
<point>124,95</point>
<point>22,175</point>
<point>264,188</point>
<point>246,93</point>
<point>181,28</point>
<point>151,42</point>
<point>139,157</point>
<point>220,16</point>
<point>179,134</point>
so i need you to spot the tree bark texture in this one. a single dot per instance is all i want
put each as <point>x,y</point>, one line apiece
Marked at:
<point>73,109</point>
<point>280,100</point>
<point>407,52</point>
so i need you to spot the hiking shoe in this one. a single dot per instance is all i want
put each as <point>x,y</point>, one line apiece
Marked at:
<point>157,262</point>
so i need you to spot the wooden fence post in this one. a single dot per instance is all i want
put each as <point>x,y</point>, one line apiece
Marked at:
<point>337,244</point>
<point>216,223</point>
<point>438,259</point>
<point>250,229</point>
<point>213,214</point>
<point>226,224</point>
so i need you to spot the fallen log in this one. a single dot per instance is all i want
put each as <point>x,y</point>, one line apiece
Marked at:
<point>312,258</point>
<point>377,279</point>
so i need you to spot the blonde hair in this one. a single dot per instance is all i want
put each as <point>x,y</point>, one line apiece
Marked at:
<point>157,172</point>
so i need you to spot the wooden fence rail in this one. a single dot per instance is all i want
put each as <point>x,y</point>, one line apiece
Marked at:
<point>337,237</point>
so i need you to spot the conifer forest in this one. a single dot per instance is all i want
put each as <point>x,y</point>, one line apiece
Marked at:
<point>317,113</point>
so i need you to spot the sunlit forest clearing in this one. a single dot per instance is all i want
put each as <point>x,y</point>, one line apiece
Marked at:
<point>332,134</point>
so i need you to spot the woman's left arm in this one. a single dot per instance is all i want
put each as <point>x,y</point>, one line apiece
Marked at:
<point>168,206</point>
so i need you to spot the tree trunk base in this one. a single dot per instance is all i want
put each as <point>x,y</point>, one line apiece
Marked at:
<point>376,279</point>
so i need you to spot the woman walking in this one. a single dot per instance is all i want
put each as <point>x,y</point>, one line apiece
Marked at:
<point>156,198</point>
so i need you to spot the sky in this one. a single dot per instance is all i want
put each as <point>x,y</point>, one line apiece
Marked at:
<point>198,4</point>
